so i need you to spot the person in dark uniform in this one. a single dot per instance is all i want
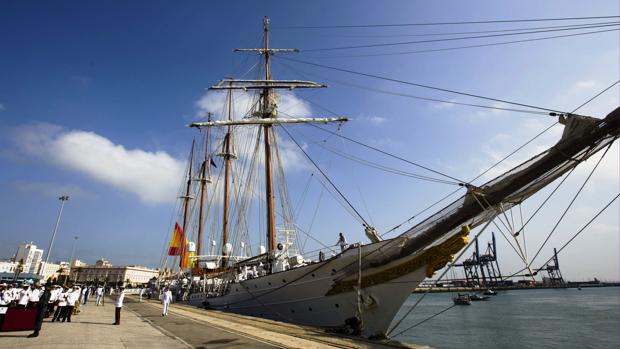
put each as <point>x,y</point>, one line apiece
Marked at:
<point>41,309</point>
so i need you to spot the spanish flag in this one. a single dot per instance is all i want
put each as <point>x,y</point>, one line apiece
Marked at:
<point>176,241</point>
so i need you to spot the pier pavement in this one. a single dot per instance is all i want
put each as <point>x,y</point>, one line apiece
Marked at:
<point>142,326</point>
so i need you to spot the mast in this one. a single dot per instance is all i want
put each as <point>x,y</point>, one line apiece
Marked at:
<point>265,117</point>
<point>186,199</point>
<point>227,154</point>
<point>204,179</point>
<point>267,111</point>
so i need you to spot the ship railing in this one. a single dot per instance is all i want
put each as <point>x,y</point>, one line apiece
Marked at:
<point>321,254</point>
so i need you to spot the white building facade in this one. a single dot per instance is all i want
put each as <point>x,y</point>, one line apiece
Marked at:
<point>128,275</point>
<point>53,270</point>
<point>31,257</point>
<point>7,266</point>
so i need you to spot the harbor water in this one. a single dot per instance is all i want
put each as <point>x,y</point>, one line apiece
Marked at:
<point>537,318</point>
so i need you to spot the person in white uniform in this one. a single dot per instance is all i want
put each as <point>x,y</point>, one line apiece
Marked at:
<point>72,297</point>
<point>120,297</point>
<point>5,295</point>
<point>35,293</point>
<point>166,298</point>
<point>24,296</point>
<point>62,305</point>
<point>99,293</point>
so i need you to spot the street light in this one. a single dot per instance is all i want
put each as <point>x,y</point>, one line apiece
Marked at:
<point>75,239</point>
<point>72,260</point>
<point>49,250</point>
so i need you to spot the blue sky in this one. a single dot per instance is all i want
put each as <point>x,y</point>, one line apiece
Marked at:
<point>95,96</point>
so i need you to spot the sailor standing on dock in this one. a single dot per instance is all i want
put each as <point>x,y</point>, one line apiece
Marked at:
<point>72,298</point>
<point>24,296</point>
<point>36,291</point>
<point>5,295</point>
<point>99,293</point>
<point>120,297</point>
<point>62,304</point>
<point>166,298</point>
<point>42,304</point>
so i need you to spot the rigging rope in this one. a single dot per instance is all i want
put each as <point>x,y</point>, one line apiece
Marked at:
<point>465,46</point>
<point>470,32</point>
<point>429,99</point>
<point>325,176</point>
<point>453,39</point>
<point>440,276</point>
<point>545,201</point>
<point>570,204</point>
<point>522,230</point>
<point>386,153</point>
<point>571,239</point>
<point>596,96</point>
<point>383,167</point>
<point>417,84</point>
<point>445,23</point>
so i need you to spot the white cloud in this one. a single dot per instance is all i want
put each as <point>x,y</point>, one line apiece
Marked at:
<point>288,106</point>
<point>215,103</point>
<point>152,176</point>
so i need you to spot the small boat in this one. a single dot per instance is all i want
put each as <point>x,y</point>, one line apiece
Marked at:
<point>490,292</point>
<point>477,297</point>
<point>462,299</point>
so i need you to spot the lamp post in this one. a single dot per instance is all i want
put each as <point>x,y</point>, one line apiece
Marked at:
<point>75,239</point>
<point>72,260</point>
<point>49,250</point>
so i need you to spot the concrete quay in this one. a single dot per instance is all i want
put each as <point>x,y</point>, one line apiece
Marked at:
<point>142,326</point>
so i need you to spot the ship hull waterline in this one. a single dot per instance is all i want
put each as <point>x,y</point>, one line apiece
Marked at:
<point>310,295</point>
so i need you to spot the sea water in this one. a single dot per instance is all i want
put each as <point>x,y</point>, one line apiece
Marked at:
<point>535,318</point>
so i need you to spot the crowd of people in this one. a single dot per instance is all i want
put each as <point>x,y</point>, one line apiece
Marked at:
<point>59,302</point>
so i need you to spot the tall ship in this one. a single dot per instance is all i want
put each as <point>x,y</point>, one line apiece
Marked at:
<point>236,164</point>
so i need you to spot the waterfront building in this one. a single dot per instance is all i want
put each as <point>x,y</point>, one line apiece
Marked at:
<point>53,270</point>
<point>30,256</point>
<point>103,263</point>
<point>78,263</point>
<point>7,266</point>
<point>130,275</point>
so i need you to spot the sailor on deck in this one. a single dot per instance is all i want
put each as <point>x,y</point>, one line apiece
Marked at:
<point>342,242</point>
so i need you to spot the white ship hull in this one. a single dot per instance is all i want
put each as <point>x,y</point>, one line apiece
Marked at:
<point>306,295</point>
